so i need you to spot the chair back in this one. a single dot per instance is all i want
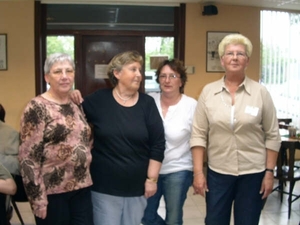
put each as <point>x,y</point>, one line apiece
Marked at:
<point>20,196</point>
<point>284,123</point>
<point>286,169</point>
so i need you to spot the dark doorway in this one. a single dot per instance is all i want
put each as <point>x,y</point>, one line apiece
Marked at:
<point>97,51</point>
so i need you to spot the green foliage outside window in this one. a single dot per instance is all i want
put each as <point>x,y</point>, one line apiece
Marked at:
<point>63,44</point>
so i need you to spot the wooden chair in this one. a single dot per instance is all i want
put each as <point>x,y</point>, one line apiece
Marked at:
<point>287,172</point>
<point>283,124</point>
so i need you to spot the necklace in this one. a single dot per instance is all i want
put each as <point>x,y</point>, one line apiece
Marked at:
<point>123,99</point>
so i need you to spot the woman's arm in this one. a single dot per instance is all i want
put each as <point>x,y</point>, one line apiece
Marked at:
<point>152,177</point>
<point>272,142</point>
<point>31,155</point>
<point>267,183</point>
<point>8,186</point>
<point>199,184</point>
<point>157,147</point>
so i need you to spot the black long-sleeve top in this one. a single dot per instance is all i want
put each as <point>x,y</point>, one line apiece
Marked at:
<point>125,139</point>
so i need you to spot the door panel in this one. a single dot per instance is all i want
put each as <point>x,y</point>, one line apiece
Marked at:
<point>100,50</point>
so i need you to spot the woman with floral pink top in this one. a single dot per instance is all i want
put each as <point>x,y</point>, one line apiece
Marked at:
<point>55,151</point>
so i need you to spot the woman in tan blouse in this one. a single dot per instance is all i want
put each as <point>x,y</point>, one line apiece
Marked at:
<point>235,123</point>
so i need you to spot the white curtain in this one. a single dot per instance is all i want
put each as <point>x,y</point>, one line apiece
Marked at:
<point>280,61</point>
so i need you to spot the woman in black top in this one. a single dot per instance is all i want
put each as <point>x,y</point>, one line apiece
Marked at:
<point>128,147</point>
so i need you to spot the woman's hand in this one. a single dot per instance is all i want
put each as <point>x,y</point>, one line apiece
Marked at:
<point>267,185</point>
<point>199,184</point>
<point>76,97</point>
<point>150,188</point>
<point>41,212</point>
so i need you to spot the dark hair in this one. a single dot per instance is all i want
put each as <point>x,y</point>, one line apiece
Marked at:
<point>2,113</point>
<point>178,67</point>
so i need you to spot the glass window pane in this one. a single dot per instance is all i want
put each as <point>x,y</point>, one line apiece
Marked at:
<point>156,49</point>
<point>110,17</point>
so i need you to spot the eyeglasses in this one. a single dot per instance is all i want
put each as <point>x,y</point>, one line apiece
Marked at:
<point>68,72</point>
<point>239,55</point>
<point>171,76</point>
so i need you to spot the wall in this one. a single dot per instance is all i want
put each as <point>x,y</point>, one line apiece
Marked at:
<point>17,84</point>
<point>245,20</point>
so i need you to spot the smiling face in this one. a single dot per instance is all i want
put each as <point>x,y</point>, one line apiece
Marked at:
<point>169,80</point>
<point>61,77</point>
<point>130,76</point>
<point>235,59</point>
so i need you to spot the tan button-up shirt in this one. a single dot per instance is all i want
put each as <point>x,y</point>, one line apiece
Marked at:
<point>236,136</point>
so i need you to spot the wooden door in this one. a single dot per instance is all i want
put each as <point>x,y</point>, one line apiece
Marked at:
<point>99,50</point>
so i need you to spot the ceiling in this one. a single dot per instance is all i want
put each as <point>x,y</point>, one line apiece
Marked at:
<point>274,4</point>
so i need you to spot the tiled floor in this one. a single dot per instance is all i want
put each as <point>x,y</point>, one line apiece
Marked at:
<point>274,212</point>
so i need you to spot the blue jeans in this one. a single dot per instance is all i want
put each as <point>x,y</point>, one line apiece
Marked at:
<point>174,188</point>
<point>243,190</point>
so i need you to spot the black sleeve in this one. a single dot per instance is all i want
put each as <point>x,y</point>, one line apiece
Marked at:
<point>156,132</point>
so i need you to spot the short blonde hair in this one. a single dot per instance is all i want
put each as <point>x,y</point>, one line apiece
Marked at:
<point>121,60</point>
<point>236,39</point>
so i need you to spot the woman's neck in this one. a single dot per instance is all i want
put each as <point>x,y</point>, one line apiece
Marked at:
<point>124,93</point>
<point>232,83</point>
<point>233,80</point>
<point>169,100</point>
<point>57,98</point>
<point>123,96</point>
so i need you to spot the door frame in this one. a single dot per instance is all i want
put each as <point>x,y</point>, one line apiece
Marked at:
<point>41,33</point>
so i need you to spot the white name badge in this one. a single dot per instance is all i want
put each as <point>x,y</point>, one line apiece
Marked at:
<point>253,111</point>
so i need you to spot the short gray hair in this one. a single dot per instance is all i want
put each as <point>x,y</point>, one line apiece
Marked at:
<point>57,57</point>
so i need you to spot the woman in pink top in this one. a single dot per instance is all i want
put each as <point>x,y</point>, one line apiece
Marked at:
<point>55,150</point>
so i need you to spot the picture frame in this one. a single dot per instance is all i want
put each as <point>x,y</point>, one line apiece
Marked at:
<point>213,38</point>
<point>3,52</point>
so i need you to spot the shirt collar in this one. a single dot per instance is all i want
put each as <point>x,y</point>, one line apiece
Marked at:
<point>244,84</point>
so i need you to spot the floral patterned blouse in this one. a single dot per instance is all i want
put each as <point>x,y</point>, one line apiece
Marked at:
<point>55,150</point>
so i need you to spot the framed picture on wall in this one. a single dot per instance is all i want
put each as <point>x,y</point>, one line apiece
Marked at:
<point>3,52</point>
<point>213,39</point>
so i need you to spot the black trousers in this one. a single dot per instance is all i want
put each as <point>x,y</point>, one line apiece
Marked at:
<point>71,208</point>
